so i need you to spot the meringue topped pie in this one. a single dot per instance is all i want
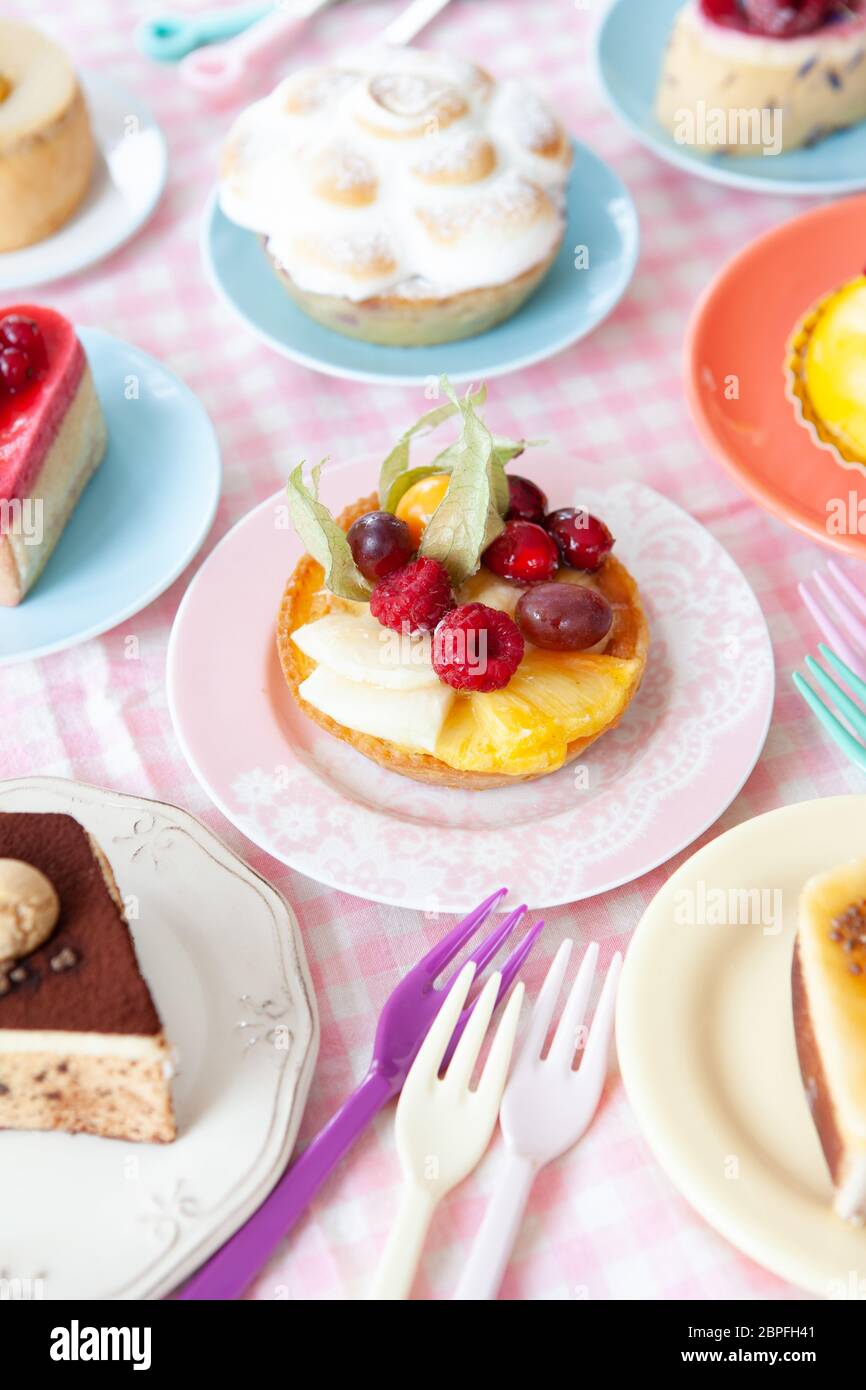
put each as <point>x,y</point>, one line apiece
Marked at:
<point>404,196</point>
<point>449,626</point>
<point>829,1001</point>
<point>826,372</point>
<point>730,63</point>
<point>46,145</point>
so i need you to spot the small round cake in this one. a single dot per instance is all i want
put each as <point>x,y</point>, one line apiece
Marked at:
<point>405,197</point>
<point>46,145</point>
<point>826,373</point>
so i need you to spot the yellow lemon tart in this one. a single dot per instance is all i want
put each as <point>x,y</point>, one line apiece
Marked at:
<point>484,642</point>
<point>826,372</point>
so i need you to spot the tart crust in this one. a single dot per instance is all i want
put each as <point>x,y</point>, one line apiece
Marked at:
<point>395,320</point>
<point>797,389</point>
<point>304,600</point>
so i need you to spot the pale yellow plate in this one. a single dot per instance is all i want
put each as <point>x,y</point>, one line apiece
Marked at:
<point>706,1043</point>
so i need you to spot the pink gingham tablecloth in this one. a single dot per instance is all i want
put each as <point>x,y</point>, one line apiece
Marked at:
<point>604,1222</point>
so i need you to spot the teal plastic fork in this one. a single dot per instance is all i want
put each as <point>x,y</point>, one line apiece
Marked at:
<point>169,37</point>
<point>840,699</point>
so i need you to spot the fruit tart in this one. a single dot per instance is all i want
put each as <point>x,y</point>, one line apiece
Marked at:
<point>46,146</point>
<point>450,626</point>
<point>52,439</point>
<point>730,62</point>
<point>404,196</point>
<point>825,372</point>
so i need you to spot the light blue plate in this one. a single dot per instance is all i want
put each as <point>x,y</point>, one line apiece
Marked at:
<point>629,51</point>
<point>568,305</point>
<point>141,518</point>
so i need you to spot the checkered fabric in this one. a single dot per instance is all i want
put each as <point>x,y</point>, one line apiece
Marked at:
<point>604,1222</point>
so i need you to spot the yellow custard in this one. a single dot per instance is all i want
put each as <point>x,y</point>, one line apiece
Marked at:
<point>827,372</point>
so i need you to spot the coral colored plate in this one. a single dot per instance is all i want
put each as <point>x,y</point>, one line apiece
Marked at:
<point>684,749</point>
<point>740,329</point>
<point>568,305</point>
<point>706,1044</point>
<point>629,50</point>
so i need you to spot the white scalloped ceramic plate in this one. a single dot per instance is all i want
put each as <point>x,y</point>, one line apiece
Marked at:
<point>706,1044</point>
<point>102,1219</point>
<point>681,754</point>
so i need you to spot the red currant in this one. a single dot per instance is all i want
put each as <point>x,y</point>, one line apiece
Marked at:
<point>16,331</point>
<point>15,370</point>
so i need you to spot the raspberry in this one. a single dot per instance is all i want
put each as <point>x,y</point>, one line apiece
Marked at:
<point>417,595</point>
<point>476,648</point>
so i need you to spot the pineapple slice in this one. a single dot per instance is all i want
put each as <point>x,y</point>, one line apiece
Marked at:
<point>551,700</point>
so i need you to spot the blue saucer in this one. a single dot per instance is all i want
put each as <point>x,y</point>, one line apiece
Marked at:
<point>141,518</point>
<point>629,51</point>
<point>569,304</point>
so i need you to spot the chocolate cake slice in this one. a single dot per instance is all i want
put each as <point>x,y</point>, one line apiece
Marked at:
<point>81,1045</point>
<point>829,1001</point>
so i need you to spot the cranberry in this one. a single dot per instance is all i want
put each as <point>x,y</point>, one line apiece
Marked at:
<point>380,543</point>
<point>583,540</point>
<point>564,617</point>
<point>785,19</point>
<point>15,370</point>
<point>16,331</point>
<point>524,552</point>
<point>526,501</point>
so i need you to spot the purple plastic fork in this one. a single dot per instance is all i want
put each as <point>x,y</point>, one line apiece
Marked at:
<point>403,1024</point>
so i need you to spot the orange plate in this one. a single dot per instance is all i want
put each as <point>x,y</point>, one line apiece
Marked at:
<point>740,328</point>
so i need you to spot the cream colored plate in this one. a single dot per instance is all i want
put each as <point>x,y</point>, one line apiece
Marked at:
<point>706,1044</point>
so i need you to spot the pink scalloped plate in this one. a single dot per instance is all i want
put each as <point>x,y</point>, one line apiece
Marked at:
<point>643,792</point>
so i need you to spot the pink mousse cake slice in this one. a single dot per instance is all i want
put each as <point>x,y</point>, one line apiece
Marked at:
<point>52,439</point>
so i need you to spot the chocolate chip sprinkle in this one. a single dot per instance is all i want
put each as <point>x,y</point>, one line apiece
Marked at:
<point>848,929</point>
<point>64,960</point>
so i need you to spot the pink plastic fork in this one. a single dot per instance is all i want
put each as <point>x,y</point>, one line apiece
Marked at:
<point>839,609</point>
<point>403,1025</point>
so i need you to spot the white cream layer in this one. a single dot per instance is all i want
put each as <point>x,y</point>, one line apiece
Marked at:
<point>266,191</point>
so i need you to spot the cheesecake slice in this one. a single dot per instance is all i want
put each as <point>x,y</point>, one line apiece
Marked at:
<point>52,439</point>
<point>82,1047</point>
<point>723,76</point>
<point>46,145</point>
<point>829,1002</point>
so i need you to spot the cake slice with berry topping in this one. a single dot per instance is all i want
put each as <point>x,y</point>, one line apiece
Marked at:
<point>52,439</point>
<point>762,76</point>
<point>452,629</point>
<point>829,1001</point>
<point>82,1047</point>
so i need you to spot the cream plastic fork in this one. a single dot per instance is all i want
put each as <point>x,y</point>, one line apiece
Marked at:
<point>546,1108</point>
<point>442,1126</point>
